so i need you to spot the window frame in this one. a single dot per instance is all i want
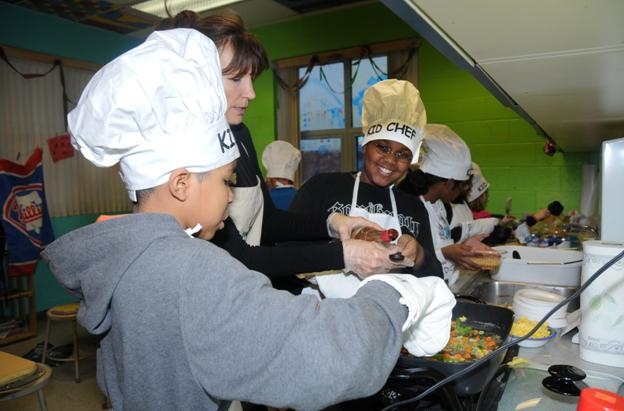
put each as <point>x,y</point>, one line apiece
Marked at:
<point>287,100</point>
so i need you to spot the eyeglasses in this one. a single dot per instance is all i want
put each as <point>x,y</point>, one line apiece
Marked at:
<point>404,156</point>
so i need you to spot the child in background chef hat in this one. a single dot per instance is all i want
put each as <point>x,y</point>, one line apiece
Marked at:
<point>180,319</point>
<point>478,195</point>
<point>443,173</point>
<point>281,161</point>
<point>469,217</point>
<point>472,192</point>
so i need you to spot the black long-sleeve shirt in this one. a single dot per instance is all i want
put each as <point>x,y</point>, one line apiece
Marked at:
<point>331,192</point>
<point>278,226</point>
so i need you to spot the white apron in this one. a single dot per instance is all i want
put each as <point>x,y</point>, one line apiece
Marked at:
<point>441,233</point>
<point>462,216</point>
<point>461,213</point>
<point>344,285</point>
<point>246,211</point>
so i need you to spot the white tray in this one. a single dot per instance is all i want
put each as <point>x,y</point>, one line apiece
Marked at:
<point>540,266</point>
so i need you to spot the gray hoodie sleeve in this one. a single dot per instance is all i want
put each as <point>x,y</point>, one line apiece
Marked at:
<point>247,341</point>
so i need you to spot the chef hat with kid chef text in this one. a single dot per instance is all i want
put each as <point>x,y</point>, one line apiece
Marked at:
<point>158,107</point>
<point>479,183</point>
<point>445,154</point>
<point>392,110</point>
<point>281,160</point>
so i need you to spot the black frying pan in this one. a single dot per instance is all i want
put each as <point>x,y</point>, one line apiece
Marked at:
<point>490,318</point>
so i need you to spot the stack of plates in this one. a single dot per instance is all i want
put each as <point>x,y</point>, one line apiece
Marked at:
<point>534,304</point>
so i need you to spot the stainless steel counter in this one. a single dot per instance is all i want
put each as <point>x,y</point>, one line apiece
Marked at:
<point>524,387</point>
<point>525,384</point>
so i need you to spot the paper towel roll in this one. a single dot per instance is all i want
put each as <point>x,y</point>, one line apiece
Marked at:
<point>602,306</point>
<point>589,189</point>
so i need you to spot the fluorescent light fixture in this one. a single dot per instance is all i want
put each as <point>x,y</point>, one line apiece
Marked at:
<point>157,7</point>
<point>435,27</point>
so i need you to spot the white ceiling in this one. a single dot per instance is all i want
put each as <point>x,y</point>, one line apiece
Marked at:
<point>258,13</point>
<point>561,61</point>
<point>558,63</point>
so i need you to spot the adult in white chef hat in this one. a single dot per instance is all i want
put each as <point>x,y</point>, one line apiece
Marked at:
<point>281,160</point>
<point>158,108</point>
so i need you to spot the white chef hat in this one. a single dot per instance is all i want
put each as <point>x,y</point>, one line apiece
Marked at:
<point>281,160</point>
<point>158,107</point>
<point>392,110</point>
<point>445,154</point>
<point>479,183</point>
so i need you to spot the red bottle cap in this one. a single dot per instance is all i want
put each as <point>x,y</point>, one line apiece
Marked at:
<point>595,399</point>
<point>389,235</point>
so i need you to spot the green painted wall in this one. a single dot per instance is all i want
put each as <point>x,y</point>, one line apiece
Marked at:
<point>506,147</point>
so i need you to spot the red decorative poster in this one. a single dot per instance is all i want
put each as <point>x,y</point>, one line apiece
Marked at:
<point>60,147</point>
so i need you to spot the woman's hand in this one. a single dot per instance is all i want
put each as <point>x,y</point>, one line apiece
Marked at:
<point>461,255</point>
<point>341,226</point>
<point>411,250</point>
<point>366,258</point>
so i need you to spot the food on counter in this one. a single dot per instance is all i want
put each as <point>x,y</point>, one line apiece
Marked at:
<point>380,236</point>
<point>467,343</point>
<point>487,260</point>
<point>523,325</point>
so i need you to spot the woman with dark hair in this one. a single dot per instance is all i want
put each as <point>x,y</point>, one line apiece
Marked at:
<point>256,225</point>
<point>393,118</point>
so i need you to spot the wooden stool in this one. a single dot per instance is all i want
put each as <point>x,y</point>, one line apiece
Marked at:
<point>22,377</point>
<point>67,312</point>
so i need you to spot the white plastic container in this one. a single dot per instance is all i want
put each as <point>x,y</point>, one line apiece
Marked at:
<point>539,265</point>
<point>601,332</point>
<point>534,304</point>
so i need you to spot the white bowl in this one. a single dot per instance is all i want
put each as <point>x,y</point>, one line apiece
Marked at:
<point>534,304</point>
<point>535,342</point>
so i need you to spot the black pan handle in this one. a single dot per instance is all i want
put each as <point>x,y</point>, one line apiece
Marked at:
<point>407,373</point>
<point>470,298</point>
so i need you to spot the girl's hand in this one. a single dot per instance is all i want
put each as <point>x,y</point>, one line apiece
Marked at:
<point>461,254</point>
<point>411,250</point>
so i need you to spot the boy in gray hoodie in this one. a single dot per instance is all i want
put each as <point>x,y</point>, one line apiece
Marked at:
<point>178,335</point>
